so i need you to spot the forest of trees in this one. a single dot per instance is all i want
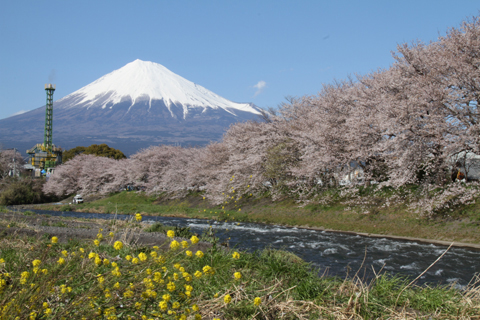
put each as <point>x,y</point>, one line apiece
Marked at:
<point>408,124</point>
<point>102,150</point>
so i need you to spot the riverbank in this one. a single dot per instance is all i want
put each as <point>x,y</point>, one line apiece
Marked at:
<point>393,221</point>
<point>178,280</point>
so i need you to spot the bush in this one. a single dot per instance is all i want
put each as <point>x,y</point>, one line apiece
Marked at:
<point>23,191</point>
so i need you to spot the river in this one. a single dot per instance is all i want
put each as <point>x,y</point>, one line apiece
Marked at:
<point>336,254</point>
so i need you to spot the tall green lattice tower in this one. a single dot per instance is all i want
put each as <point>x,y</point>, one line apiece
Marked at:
<point>47,138</point>
<point>45,156</point>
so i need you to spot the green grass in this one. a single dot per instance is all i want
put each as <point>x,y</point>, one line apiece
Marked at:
<point>288,287</point>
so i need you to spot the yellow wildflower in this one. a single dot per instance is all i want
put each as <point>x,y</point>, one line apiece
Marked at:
<point>142,256</point>
<point>118,245</point>
<point>36,263</point>
<point>194,239</point>
<point>184,244</point>
<point>174,245</point>
<point>163,305</point>
<point>138,217</point>
<point>257,301</point>
<point>199,254</point>
<point>236,255</point>
<point>189,253</point>
<point>237,275</point>
<point>61,261</point>
<point>128,294</point>
<point>96,242</point>
<point>227,299</point>
<point>171,286</point>
<point>166,297</point>
<point>54,240</point>
<point>170,233</point>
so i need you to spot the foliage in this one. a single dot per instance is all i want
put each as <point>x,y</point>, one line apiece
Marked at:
<point>23,191</point>
<point>102,150</point>
<point>408,124</point>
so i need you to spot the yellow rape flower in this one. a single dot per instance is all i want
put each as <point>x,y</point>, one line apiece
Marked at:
<point>171,286</point>
<point>163,305</point>
<point>189,253</point>
<point>142,256</point>
<point>170,233</point>
<point>118,245</point>
<point>194,239</point>
<point>199,254</point>
<point>135,260</point>
<point>128,257</point>
<point>166,297</point>
<point>36,263</point>
<point>184,244</point>
<point>96,242</point>
<point>174,245</point>
<point>197,274</point>
<point>116,272</point>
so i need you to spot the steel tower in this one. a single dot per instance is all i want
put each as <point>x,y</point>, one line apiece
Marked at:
<point>47,139</point>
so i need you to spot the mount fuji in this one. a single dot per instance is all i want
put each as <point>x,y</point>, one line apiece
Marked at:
<point>138,105</point>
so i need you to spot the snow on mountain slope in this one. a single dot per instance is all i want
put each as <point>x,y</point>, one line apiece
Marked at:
<point>148,81</point>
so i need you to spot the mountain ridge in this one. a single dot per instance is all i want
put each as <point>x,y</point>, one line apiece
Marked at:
<point>129,109</point>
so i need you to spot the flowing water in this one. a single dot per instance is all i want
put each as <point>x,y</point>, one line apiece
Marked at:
<point>332,252</point>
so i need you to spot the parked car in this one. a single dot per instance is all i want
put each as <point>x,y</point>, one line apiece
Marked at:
<point>77,199</point>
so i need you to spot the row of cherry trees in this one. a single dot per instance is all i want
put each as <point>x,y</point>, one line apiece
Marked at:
<point>407,124</point>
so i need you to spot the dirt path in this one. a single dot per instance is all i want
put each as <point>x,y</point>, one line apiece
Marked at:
<point>65,228</point>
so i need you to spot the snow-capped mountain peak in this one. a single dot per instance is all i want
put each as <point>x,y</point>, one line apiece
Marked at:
<point>144,80</point>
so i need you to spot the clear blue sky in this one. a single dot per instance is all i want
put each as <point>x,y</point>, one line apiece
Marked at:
<point>229,47</point>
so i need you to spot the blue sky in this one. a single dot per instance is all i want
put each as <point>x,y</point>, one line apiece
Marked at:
<point>246,51</point>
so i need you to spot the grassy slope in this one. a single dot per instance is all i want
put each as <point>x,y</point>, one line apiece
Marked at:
<point>374,216</point>
<point>77,286</point>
